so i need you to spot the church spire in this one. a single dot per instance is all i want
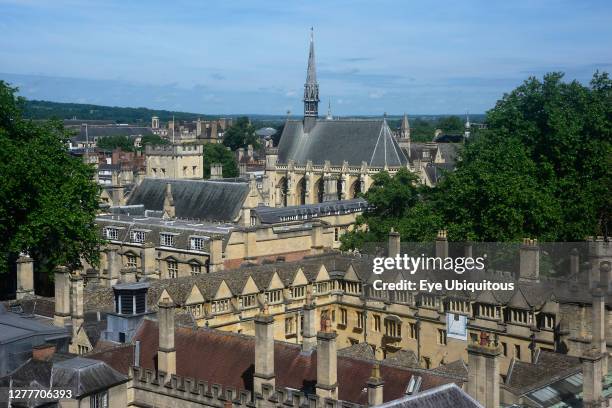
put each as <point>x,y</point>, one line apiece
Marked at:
<point>405,128</point>
<point>311,87</point>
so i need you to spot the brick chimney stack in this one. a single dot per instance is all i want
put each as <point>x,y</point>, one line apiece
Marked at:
<point>61,315</point>
<point>327,362</point>
<point>529,268</point>
<point>309,340</point>
<point>375,386</point>
<point>442,244</point>
<point>394,243</point>
<point>166,354</point>
<point>483,370</point>
<point>76,300</point>
<point>264,351</point>
<point>25,276</point>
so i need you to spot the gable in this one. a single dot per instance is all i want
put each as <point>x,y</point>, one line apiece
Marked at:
<point>195,296</point>
<point>322,275</point>
<point>299,279</point>
<point>276,282</point>
<point>165,296</point>
<point>350,275</point>
<point>250,287</point>
<point>224,291</point>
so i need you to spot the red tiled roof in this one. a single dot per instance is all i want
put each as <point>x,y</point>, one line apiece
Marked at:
<point>228,359</point>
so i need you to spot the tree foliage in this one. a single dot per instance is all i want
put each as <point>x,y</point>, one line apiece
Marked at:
<point>48,199</point>
<point>152,139</point>
<point>218,153</point>
<point>543,169</point>
<point>116,141</point>
<point>240,134</point>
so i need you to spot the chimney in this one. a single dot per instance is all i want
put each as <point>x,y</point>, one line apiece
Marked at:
<point>169,209</point>
<point>442,244</point>
<point>76,300</point>
<point>529,268</point>
<point>166,354</point>
<point>216,171</point>
<point>148,260</point>
<point>375,386</point>
<point>44,352</point>
<point>215,261</point>
<point>264,351</point>
<point>137,353</point>
<point>113,266</point>
<point>574,262</point>
<point>394,243</point>
<point>240,154</point>
<point>62,296</point>
<point>600,325</point>
<point>243,169</point>
<point>25,276</point>
<point>592,372</point>
<point>327,362</point>
<point>250,152</point>
<point>483,370</point>
<point>309,332</point>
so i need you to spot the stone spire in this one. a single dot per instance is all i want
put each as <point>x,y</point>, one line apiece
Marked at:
<point>311,87</point>
<point>405,128</point>
<point>329,113</point>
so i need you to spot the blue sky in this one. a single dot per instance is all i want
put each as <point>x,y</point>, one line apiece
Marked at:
<point>419,57</point>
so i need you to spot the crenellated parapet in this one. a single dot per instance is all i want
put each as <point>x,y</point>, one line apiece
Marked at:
<point>158,389</point>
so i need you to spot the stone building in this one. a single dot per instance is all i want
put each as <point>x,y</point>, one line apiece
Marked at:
<point>321,160</point>
<point>175,161</point>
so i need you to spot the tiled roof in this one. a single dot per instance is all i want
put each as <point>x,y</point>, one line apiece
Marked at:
<point>445,396</point>
<point>523,377</point>
<point>230,360</point>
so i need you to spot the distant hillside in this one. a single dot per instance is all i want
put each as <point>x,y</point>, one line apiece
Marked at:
<point>46,110</point>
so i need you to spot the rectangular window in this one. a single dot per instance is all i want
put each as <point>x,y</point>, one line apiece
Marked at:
<point>196,269</point>
<point>413,330</point>
<point>99,400</point>
<point>289,325</point>
<point>131,261</point>
<point>360,320</point>
<point>196,243</point>
<point>428,301</point>
<point>172,269</point>
<point>352,287</point>
<point>336,234</point>
<point>246,301</point>
<point>442,336</point>
<point>393,328</point>
<point>274,296</point>
<point>196,310</point>
<point>220,306</point>
<point>343,317</point>
<point>517,351</point>
<point>111,233</point>
<point>321,288</point>
<point>138,237</point>
<point>377,323</point>
<point>504,349</point>
<point>166,240</point>
<point>298,292</point>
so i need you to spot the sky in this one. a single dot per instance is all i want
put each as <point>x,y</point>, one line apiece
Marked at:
<point>231,57</point>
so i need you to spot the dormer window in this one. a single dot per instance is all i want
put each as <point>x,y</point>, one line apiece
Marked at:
<point>489,311</point>
<point>458,306</point>
<point>197,243</point>
<point>321,288</point>
<point>274,296</point>
<point>138,237</point>
<point>220,306</point>
<point>111,233</point>
<point>298,292</point>
<point>547,321</point>
<point>247,301</point>
<point>428,301</point>
<point>166,239</point>
<point>352,287</point>
<point>520,316</point>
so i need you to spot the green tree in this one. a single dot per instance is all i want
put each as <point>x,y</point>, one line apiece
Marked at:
<point>451,124</point>
<point>48,199</point>
<point>152,139</point>
<point>218,153</point>
<point>240,134</point>
<point>112,142</point>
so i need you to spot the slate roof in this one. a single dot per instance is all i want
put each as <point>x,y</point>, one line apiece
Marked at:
<point>350,140</point>
<point>110,130</point>
<point>444,396</point>
<point>14,327</point>
<point>194,199</point>
<point>549,367</point>
<point>456,368</point>
<point>230,360</point>
<point>272,215</point>
<point>82,376</point>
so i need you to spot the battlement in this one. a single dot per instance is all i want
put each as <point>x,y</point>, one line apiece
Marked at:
<point>149,385</point>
